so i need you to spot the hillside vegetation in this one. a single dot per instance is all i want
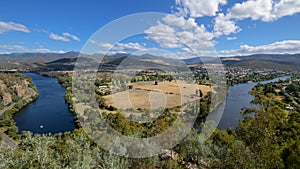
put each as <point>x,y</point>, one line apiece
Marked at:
<point>13,87</point>
<point>16,91</point>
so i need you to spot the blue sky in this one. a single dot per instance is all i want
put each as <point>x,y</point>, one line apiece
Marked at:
<point>232,27</point>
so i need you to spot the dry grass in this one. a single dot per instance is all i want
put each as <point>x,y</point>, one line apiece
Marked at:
<point>157,61</point>
<point>146,95</point>
<point>279,98</point>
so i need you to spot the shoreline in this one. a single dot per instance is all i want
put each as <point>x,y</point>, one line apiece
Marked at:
<point>15,108</point>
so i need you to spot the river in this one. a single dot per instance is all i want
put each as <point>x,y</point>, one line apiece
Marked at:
<point>237,98</point>
<point>49,113</point>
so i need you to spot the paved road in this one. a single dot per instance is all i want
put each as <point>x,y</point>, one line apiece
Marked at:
<point>5,138</point>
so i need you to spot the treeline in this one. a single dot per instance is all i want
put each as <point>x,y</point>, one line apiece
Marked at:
<point>7,123</point>
<point>251,77</point>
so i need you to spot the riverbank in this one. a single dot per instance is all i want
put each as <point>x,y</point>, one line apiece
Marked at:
<point>8,129</point>
<point>50,112</point>
<point>64,78</point>
<point>238,97</point>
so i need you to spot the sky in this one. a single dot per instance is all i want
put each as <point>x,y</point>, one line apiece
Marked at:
<point>188,27</point>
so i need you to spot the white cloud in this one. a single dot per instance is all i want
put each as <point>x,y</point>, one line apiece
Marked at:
<point>45,50</point>
<point>198,8</point>
<point>129,46</point>
<point>11,26</point>
<point>58,37</point>
<point>13,47</point>
<point>119,46</point>
<point>106,46</point>
<point>254,9</point>
<point>223,26</point>
<point>177,32</point>
<point>286,8</point>
<point>180,22</point>
<point>164,35</point>
<point>65,37</point>
<point>74,37</point>
<point>231,38</point>
<point>281,47</point>
<point>265,10</point>
<point>41,30</point>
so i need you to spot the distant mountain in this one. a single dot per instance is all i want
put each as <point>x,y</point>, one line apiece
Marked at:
<point>63,61</point>
<point>291,59</point>
<point>38,55</point>
<point>272,61</point>
<point>261,64</point>
<point>192,61</point>
<point>31,61</point>
<point>54,61</point>
<point>259,61</point>
<point>119,55</point>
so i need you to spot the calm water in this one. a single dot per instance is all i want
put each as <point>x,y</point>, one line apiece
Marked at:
<point>237,98</point>
<point>50,109</point>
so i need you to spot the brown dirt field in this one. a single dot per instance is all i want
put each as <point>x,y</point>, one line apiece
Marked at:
<point>146,95</point>
<point>279,98</point>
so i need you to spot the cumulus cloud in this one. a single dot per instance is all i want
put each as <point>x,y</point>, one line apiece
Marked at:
<point>163,35</point>
<point>74,37</point>
<point>226,23</point>
<point>58,37</point>
<point>180,22</point>
<point>224,26</point>
<point>287,46</point>
<point>264,10</point>
<point>119,46</point>
<point>254,9</point>
<point>286,8</point>
<point>198,8</point>
<point>11,26</point>
<point>178,32</point>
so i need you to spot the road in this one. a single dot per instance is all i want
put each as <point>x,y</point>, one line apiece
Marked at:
<point>5,138</point>
<point>290,96</point>
<point>32,92</point>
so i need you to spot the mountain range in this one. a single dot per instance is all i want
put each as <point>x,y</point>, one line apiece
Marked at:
<point>66,61</point>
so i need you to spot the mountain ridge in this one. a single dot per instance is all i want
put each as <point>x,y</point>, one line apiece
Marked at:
<point>278,61</point>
